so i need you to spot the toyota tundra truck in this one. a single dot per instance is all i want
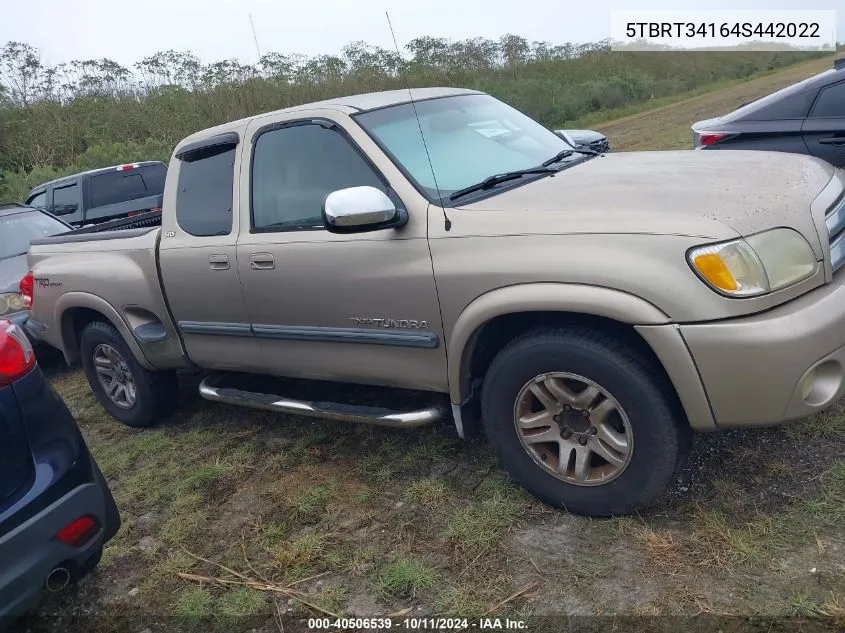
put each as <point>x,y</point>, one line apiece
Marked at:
<point>587,311</point>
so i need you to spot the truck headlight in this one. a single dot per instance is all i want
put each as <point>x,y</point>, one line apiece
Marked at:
<point>754,265</point>
<point>10,302</point>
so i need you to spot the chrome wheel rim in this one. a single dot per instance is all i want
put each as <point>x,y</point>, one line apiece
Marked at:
<point>114,376</point>
<point>573,428</point>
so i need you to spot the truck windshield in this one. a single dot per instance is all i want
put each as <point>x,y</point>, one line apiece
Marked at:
<point>469,138</point>
<point>17,230</point>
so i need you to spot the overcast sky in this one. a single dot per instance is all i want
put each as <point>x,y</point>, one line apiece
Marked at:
<point>216,29</point>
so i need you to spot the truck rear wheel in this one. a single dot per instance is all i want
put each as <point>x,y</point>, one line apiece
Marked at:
<point>130,393</point>
<point>583,421</point>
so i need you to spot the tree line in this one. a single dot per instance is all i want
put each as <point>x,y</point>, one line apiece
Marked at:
<point>89,113</point>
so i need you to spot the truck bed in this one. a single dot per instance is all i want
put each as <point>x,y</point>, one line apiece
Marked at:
<point>114,229</point>
<point>128,292</point>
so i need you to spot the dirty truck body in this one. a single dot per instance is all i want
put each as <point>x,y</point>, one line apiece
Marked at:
<point>590,313</point>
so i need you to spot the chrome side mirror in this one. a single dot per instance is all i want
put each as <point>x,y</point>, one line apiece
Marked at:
<point>359,209</point>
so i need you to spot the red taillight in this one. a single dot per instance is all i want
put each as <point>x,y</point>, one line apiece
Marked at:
<point>708,138</point>
<point>155,209</point>
<point>78,532</point>
<point>16,355</point>
<point>127,167</point>
<point>27,287</point>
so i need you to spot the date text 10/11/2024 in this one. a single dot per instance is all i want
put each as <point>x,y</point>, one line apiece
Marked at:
<point>416,624</point>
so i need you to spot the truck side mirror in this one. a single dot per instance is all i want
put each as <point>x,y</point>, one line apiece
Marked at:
<point>360,209</point>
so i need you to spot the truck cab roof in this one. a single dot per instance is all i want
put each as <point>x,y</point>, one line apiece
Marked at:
<point>87,174</point>
<point>351,104</point>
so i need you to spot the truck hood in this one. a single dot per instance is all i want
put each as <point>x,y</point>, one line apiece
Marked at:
<point>12,270</point>
<point>714,195</point>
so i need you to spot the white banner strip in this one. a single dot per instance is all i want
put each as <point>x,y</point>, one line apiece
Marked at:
<point>723,30</point>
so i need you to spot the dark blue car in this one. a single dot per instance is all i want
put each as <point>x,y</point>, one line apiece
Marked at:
<point>56,511</point>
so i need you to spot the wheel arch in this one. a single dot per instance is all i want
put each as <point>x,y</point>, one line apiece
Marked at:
<point>487,324</point>
<point>75,310</point>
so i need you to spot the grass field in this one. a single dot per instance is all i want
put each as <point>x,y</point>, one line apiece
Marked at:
<point>236,520</point>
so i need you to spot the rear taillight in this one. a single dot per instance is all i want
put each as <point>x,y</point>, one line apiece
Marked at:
<point>16,355</point>
<point>155,209</point>
<point>77,533</point>
<point>27,287</point>
<point>709,138</point>
<point>127,167</point>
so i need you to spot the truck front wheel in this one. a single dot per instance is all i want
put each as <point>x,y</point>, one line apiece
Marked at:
<point>583,421</point>
<point>130,393</point>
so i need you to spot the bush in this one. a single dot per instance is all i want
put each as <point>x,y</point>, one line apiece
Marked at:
<point>107,115</point>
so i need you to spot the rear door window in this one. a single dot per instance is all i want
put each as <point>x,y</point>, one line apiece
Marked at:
<point>66,200</point>
<point>204,198</point>
<point>130,184</point>
<point>831,103</point>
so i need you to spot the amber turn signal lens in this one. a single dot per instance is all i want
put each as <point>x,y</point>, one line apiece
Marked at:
<point>713,268</point>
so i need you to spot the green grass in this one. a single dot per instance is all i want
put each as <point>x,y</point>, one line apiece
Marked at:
<point>723,542</point>
<point>407,577</point>
<point>379,467</point>
<point>274,533</point>
<point>829,505</point>
<point>472,595</point>
<point>431,494</point>
<point>333,599</point>
<point>310,505</point>
<point>303,551</point>
<point>241,602</point>
<point>482,526</point>
<point>827,425</point>
<point>802,606</point>
<point>612,114</point>
<point>195,603</point>
<point>428,450</point>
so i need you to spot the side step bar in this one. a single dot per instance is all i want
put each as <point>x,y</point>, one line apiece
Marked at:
<point>378,416</point>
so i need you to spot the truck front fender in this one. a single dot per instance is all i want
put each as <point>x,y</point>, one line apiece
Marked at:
<point>63,315</point>
<point>538,297</point>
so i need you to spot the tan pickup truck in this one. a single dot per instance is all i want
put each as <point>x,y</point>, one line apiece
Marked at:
<point>589,310</point>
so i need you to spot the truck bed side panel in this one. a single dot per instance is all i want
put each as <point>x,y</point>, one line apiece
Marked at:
<point>117,270</point>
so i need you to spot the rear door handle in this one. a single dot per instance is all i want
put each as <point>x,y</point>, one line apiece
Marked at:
<point>261,261</point>
<point>838,141</point>
<point>218,262</point>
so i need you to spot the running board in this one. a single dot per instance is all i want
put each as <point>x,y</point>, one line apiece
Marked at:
<point>378,416</point>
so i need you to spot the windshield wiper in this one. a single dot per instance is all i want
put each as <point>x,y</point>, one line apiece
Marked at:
<point>566,153</point>
<point>496,179</point>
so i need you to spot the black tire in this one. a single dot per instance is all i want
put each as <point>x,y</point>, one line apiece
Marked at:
<point>156,392</point>
<point>661,434</point>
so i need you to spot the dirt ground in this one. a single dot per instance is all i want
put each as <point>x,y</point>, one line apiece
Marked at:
<point>272,520</point>
<point>236,520</point>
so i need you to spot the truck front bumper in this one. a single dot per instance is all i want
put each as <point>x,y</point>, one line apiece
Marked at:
<point>783,364</point>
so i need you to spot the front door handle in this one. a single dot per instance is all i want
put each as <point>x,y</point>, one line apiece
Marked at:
<point>218,262</point>
<point>837,141</point>
<point>261,261</point>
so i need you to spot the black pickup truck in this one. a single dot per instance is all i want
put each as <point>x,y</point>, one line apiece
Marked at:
<point>101,195</point>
